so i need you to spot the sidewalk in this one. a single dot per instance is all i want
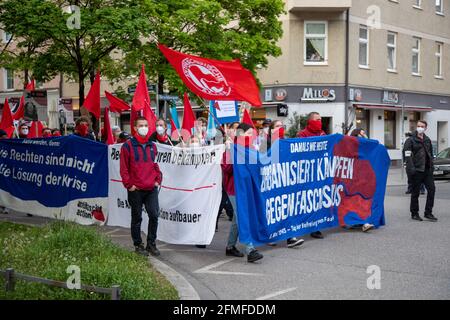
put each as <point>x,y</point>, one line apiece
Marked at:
<point>395,177</point>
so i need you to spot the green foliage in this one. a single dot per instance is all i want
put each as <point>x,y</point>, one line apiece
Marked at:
<point>47,252</point>
<point>296,123</point>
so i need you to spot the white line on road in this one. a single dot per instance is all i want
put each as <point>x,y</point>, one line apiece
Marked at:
<point>207,269</point>
<point>112,231</point>
<point>274,294</point>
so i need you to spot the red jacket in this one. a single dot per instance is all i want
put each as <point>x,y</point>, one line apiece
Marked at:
<point>308,133</point>
<point>227,173</point>
<point>137,167</point>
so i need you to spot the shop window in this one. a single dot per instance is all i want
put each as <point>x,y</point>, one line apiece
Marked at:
<point>390,130</point>
<point>363,120</point>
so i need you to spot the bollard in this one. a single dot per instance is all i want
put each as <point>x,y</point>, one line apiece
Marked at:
<point>10,280</point>
<point>115,293</point>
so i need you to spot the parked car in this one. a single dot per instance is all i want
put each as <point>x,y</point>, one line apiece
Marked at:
<point>442,165</point>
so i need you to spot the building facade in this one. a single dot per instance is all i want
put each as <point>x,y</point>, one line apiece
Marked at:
<point>394,70</point>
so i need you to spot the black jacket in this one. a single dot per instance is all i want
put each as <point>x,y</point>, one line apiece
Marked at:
<point>153,138</point>
<point>416,152</point>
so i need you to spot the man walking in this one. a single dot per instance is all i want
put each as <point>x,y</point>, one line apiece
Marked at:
<point>142,178</point>
<point>419,164</point>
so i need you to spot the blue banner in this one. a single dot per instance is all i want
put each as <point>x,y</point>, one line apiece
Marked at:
<point>225,111</point>
<point>308,184</point>
<point>67,173</point>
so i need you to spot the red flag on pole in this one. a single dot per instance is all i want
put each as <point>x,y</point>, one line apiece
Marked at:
<point>20,112</point>
<point>7,122</point>
<point>214,79</point>
<point>92,102</point>
<point>247,119</point>
<point>141,101</point>
<point>116,104</point>
<point>174,130</point>
<point>107,126</point>
<point>188,115</point>
<point>35,130</point>
<point>31,86</point>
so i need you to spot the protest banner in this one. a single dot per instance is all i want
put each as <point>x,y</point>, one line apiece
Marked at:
<point>225,111</point>
<point>63,178</point>
<point>305,185</point>
<point>189,197</point>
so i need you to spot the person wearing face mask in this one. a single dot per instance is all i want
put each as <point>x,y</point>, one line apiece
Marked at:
<point>244,137</point>
<point>418,153</point>
<point>82,128</point>
<point>116,132</point>
<point>24,130</point>
<point>313,129</point>
<point>200,130</point>
<point>160,135</point>
<point>142,178</point>
<point>46,133</point>
<point>56,133</point>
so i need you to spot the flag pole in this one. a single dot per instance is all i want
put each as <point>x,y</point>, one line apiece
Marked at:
<point>202,104</point>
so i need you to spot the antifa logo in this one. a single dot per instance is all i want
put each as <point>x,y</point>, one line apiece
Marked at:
<point>98,215</point>
<point>205,77</point>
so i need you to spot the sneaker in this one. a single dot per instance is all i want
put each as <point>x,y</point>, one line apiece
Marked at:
<point>254,256</point>
<point>430,216</point>
<point>317,235</point>
<point>151,248</point>
<point>233,252</point>
<point>367,226</point>
<point>294,242</point>
<point>416,217</point>
<point>140,250</point>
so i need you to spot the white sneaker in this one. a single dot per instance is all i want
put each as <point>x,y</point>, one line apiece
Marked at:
<point>367,226</point>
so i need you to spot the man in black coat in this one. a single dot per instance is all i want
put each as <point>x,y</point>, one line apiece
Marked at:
<point>419,164</point>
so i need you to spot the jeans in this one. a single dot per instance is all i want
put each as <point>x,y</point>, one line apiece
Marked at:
<point>137,200</point>
<point>234,232</point>
<point>427,179</point>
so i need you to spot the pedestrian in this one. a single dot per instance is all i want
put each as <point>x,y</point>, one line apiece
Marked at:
<point>313,129</point>
<point>46,132</point>
<point>244,136</point>
<point>56,133</point>
<point>116,132</point>
<point>142,178</point>
<point>160,135</point>
<point>419,164</point>
<point>24,130</point>
<point>82,128</point>
<point>359,132</point>
<point>3,135</point>
<point>409,180</point>
<point>200,130</point>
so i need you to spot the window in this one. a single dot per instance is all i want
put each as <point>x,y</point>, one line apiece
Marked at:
<point>389,129</point>
<point>363,119</point>
<point>439,7</point>
<point>417,4</point>
<point>315,44</point>
<point>413,117</point>
<point>391,51</point>
<point>9,79</point>
<point>363,46</point>
<point>439,59</point>
<point>416,56</point>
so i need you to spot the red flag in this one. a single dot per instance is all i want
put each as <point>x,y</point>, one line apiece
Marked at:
<point>20,112</point>
<point>174,134</point>
<point>107,126</point>
<point>35,129</point>
<point>31,86</point>
<point>188,115</point>
<point>141,101</point>
<point>247,119</point>
<point>214,79</point>
<point>116,104</point>
<point>92,102</point>
<point>7,122</point>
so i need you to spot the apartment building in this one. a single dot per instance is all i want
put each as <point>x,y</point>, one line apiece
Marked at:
<point>379,64</point>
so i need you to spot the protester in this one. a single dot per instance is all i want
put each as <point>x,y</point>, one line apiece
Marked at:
<point>3,135</point>
<point>419,164</point>
<point>123,136</point>
<point>313,129</point>
<point>46,132</point>
<point>56,133</point>
<point>200,130</point>
<point>410,179</point>
<point>24,130</point>
<point>244,136</point>
<point>160,135</point>
<point>82,128</point>
<point>359,132</point>
<point>142,178</point>
<point>116,132</point>
<point>194,142</point>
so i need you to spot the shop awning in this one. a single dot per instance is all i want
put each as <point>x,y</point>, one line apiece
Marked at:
<point>392,107</point>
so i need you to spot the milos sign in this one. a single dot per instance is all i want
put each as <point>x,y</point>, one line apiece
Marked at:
<point>318,95</point>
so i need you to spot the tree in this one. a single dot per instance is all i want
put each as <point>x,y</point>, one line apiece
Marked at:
<point>296,123</point>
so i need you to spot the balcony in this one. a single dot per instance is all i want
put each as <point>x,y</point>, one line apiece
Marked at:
<point>318,5</point>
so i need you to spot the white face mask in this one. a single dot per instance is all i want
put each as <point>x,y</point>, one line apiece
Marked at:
<point>25,131</point>
<point>142,131</point>
<point>160,130</point>
<point>420,130</point>
<point>266,130</point>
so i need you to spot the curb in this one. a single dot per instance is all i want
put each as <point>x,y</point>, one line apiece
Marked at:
<point>184,288</point>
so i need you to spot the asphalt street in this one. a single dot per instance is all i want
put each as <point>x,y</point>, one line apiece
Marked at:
<point>413,259</point>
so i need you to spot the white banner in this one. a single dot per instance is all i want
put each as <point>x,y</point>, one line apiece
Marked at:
<point>189,198</point>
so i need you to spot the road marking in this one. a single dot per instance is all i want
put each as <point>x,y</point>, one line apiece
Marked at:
<point>274,294</point>
<point>112,231</point>
<point>207,269</point>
